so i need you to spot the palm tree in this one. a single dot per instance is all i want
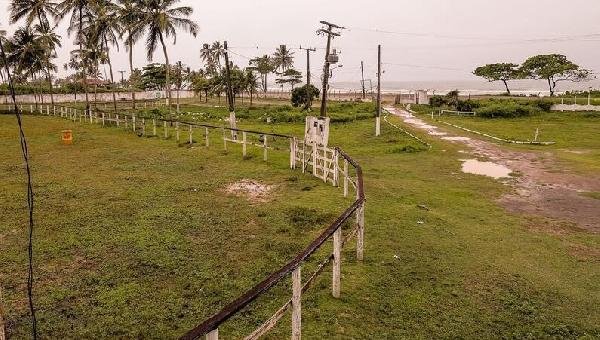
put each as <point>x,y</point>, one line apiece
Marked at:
<point>218,51</point>
<point>251,82</point>
<point>283,58</point>
<point>32,10</point>
<point>131,17</point>
<point>103,30</point>
<point>161,19</point>
<point>40,10</point>
<point>78,10</point>
<point>264,66</point>
<point>49,40</point>
<point>26,53</point>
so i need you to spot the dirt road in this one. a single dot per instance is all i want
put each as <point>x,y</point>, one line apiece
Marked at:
<point>542,187</point>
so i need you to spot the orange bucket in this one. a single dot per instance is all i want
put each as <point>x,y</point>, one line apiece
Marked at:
<point>67,137</point>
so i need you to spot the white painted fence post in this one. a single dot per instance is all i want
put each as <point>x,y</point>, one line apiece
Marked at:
<point>213,335</point>
<point>166,128</point>
<point>244,143</point>
<point>191,135</point>
<point>102,119</point>
<point>265,146</point>
<point>143,126</point>
<point>314,158</point>
<point>337,262</point>
<point>224,139</point>
<point>133,122</point>
<point>118,120</point>
<point>360,235</point>
<point>345,177</point>
<point>206,136</point>
<point>154,127</point>
<point>177,131</point>
<point>303,156</point>
<point>296,304</point>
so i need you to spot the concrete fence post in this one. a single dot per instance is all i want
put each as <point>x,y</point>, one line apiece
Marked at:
<point>296,304</point>
<point>314,158</point>
<point>177,131</point>
<point>244,143</point>
<point>206,136</point>
<point>166,129</point>
<point>154,127</point>
<point>133,122</point>
<point>191,135</point>
<point>213,335</point>
<point>118,120</point>
<point>103,119</point>
<point>265,148</point>
<point>143,126</point>
<point>337,262</point>
<point>345,177</point>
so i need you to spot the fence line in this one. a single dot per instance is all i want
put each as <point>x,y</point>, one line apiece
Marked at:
<point>323,162</point>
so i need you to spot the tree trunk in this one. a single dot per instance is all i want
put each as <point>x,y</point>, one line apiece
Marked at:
<point>551,84</point>
<point>131,68</point>
<point>506,85</point>
<point>250,97</point>
<point>35,99</point>
<point>83,66</point>
<point>167,71</point>
<point>112,78</point>
<point>51,86</point>
<point>41,86</point>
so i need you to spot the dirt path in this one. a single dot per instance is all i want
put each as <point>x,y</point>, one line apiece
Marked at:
<point>541,186</point>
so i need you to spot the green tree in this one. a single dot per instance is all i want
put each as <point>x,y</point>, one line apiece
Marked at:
<point>78,9</point>
<point>503,72</point>
<point>162,19</point>
<point>154,77</point>
<point>554,68</point>
<point>283,58</point>
<point>32,10</point>
<point>304,95</point>
<point>291,77</point>
<point>263,65</point>
<point>131,17</point>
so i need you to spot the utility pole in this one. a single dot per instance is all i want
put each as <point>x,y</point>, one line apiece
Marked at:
<point>378,119</point>
<point>308,86</point>
<point>362,72</point>
<point>122,77</point>
<point>229,92</point>
<point>330,34</point>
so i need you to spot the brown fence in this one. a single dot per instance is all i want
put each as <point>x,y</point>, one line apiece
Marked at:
<point>332,165</point>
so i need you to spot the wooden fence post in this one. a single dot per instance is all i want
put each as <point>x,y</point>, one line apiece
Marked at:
<point>166,128</point>
<point>244,143</point>
<point>177,131</point>
<point>337,262</point>
<point>266,148</point>
<point>154,127</point>
<point>143,126</point>
<point>360,235</point>
<point>206,136</point>
<point>345,177</point>
<point>213,335</point>
<point>47,110</point>
<point>118,120</point>
<point>102,119</point>
<point>336,168</point>
<point>224,139</point>
<point>296,304</point>
<point>133,122</point>
<point>191,135</point>
<point>303,156</point>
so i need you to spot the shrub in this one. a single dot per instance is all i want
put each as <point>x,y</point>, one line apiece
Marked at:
<point>437,101</point>
<point>466,105</point>
<point>506,110</point>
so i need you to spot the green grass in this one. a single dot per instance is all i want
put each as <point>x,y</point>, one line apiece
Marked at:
<point>125,248</point>
<point>573,133</point>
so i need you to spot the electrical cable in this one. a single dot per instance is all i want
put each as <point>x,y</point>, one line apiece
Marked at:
<point>25,152</point>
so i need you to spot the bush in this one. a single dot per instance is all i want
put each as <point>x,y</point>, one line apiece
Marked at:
<point>437,101</point>
<point>506,110</point>
<point>300,95</point>
<point>466,105</point>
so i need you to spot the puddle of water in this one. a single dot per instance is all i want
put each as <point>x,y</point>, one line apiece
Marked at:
<point>437,133</point>
<point>475,167</point>
<point>457,139</point>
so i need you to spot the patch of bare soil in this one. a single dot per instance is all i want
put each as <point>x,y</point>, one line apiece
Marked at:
<point>542,186</point>
<point>252,190</point>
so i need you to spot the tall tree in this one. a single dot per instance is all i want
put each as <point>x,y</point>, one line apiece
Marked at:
<point>161,19</point>
<point>104,28</point>
<point>503,72</point>
<point>77,9</point>
<point>554,68</point>
<point>131,17</point>
<point>263,65</point>
<point>283,58</point>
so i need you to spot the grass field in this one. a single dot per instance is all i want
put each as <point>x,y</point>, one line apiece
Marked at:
<point>127,248</point>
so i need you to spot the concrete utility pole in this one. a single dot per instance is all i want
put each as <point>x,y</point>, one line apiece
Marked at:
<point>362,73</point>
<point>308,87</point>
<point>230,102</point>
<point>122,77</point>
<point>330,34</point>
<point>378,119</point>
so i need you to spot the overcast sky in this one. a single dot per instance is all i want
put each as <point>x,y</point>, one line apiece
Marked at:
<point>429,39</point>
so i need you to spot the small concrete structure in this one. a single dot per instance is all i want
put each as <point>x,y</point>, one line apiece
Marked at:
<point>317,130</point>
<point>416,97</point>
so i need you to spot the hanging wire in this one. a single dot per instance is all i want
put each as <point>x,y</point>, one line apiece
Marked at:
<point>25,152</point>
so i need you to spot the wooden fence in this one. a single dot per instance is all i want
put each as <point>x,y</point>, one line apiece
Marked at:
<point>332,165</point>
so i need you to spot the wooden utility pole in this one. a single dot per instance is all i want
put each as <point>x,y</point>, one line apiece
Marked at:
<point>378,119</point>
<point>362,72</point>
<point>330,34</point>
<point>308,87</point>
<point>230,99</point>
